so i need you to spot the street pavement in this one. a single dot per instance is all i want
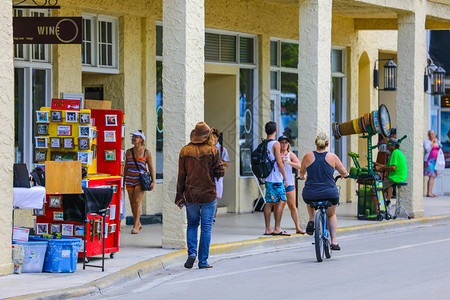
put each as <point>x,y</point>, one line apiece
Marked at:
<point>230,229</point>
<point>402,264</point>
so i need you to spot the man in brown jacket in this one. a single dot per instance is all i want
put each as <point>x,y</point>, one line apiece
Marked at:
<point>198,167</point>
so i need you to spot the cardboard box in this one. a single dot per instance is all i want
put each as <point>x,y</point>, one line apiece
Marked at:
<point>97,104</point>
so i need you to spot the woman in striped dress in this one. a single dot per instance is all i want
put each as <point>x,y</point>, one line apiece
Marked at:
<point>131,172</point>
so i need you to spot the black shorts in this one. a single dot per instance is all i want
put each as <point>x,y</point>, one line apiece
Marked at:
<point>334,201</point>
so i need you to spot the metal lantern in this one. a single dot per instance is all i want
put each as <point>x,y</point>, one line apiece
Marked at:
<point>439,82</point>
<point>390,76</point>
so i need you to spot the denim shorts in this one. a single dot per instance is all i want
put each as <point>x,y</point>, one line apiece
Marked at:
<point>275,192</point>
<point>290,188</point>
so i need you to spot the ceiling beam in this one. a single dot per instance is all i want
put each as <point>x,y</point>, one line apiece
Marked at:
<point>375,24</point>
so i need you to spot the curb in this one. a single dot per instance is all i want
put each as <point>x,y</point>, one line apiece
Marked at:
<point>178,257</point>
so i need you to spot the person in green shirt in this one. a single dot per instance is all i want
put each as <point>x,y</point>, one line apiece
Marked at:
<point>396,167</point>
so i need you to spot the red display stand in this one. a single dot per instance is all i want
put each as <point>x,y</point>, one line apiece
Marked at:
<point>104,169</point>
<point>93,235</point>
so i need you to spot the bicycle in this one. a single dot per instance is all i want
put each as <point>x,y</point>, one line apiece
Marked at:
<point>322,235</point>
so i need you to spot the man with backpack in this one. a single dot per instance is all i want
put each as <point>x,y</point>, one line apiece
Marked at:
<point>267,163</point>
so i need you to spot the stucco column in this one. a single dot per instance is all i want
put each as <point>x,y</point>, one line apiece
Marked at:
<point>66,61</point>
<point>6,135</point>
<point>410,103</point>
<point>264,83</point>
<point>183,77</point>
<point>314,80</point>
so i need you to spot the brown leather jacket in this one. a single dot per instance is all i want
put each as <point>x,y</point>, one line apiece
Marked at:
<point>199,164</point>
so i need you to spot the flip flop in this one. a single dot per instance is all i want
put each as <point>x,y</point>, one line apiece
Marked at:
<point>268,233</point>
<point>302,232</point>
<point>282,233</point>
<point>134,231</point>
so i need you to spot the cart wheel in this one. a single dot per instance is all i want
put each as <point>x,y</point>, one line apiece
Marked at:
<point>394,217</point>
<point>409,217</point>
<point>379,218</point>
<point>86,260</point>
<point>388,217</point>
<point>111,255</point>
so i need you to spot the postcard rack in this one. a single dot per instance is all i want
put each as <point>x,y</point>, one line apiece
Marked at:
<point>65,132</point>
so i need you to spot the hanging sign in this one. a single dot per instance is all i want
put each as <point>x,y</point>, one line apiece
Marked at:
<point>66,104</point>
<point>47,30</point>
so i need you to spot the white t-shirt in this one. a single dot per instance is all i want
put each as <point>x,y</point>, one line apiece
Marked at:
<point>219,182</point>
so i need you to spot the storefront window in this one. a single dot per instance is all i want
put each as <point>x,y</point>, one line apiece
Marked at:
<point>289,106</point>
<point>39,91</point>
<point>245,120</point>
<point>445,136</point>
<point>19,113</point>
<point>289,55</point>
<point>284,88</point>
<point>338,98</point>
<point>159,121</point>
<point>336,146</point>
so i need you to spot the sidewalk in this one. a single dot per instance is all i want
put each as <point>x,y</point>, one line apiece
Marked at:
<point>147,245</point>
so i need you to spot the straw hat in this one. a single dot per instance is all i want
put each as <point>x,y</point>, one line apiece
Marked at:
<point>201,133</point>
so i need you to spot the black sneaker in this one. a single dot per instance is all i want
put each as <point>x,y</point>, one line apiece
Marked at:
<point>189,262</point>
<point>310,228</point>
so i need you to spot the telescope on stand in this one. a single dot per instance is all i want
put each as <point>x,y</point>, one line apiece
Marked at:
<point>370,185</point>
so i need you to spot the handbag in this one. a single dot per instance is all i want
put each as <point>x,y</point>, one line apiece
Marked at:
<point>144,176</point>
<point>440,161</point>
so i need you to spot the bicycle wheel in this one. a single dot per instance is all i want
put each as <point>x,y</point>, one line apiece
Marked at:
<point>318,236</point>
<point>327,243</point>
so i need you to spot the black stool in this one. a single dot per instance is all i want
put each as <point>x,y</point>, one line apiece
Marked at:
<point>399,208</point>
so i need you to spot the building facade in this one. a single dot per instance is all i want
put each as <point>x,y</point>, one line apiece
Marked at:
<point>235,64</point>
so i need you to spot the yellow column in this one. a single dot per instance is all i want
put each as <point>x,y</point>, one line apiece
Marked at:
<point>66,62</point>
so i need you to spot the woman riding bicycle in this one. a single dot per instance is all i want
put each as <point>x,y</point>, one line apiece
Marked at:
<point>320,184</point>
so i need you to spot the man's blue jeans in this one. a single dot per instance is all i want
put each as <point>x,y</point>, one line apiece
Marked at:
<point>197,212</point>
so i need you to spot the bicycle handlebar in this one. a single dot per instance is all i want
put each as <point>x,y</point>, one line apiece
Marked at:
<point>340,176</point>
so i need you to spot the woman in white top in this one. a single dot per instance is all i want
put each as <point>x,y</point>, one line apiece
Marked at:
<point>290,160</point>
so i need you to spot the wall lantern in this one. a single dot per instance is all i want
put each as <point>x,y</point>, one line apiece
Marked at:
<point>437,75</point>
<point>390,75</point>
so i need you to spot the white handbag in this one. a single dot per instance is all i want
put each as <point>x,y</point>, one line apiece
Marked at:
<point>440,161</point>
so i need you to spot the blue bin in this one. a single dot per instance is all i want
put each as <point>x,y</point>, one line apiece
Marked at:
<point>34,255</point>
<point>62,254</point>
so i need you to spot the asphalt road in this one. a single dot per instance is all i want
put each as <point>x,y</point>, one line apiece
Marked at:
<point>406,264</point>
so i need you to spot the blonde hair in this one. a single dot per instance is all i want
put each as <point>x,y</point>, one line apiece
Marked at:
<point>210,140</point>
<point>289,145</point>
<point>322,140</point>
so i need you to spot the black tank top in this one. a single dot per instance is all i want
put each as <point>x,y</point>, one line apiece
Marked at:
<point>320,181</point>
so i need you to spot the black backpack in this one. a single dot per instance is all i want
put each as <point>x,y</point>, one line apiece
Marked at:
<point>262,166</point>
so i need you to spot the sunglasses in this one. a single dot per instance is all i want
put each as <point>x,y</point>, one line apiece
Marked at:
<point>135,136</point>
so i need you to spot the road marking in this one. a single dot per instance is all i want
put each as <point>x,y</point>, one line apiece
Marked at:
<point>236,272</point>
<point>298,262</point>
<point>395,249</point>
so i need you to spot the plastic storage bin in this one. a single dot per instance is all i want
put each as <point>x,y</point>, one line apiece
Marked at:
<point>34,255</point>
<point>61,254</point>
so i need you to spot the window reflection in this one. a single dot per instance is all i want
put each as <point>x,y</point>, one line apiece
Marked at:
<point>245,120</point>
<point>289,106</point>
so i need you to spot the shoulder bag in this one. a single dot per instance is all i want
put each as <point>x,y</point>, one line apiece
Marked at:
<point>144,176</point>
